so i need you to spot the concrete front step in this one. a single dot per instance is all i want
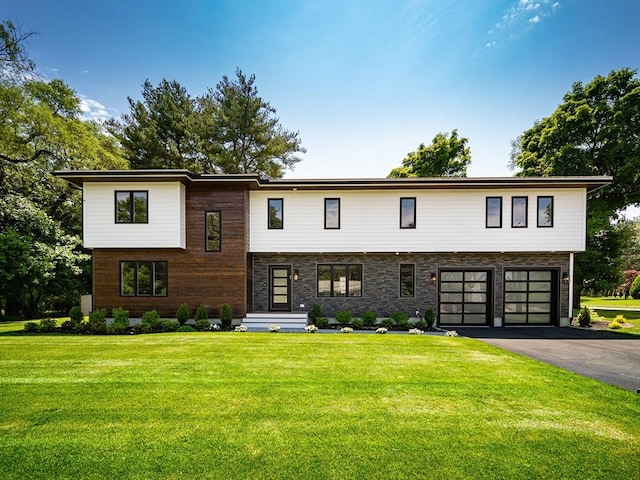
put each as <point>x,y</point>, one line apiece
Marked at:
<point>286,321</point>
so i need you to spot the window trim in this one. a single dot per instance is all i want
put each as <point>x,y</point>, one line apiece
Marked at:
<point>269,226</point>
<point>347,279</point>
<point>153,278</point>
<point>540,197</point>
<point>486,213</point>
<point>131,206</point>
<point>206,231</point>
<point>415,208</point>
<point>325,213</point>
<point>526,212</point>
<point>413,280</point>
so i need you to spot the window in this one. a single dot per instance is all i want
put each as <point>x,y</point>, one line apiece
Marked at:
<point>139,279</point>
<point>494,212</point>
<point>545,211</point>
<point>407,279</point>
<point>408,212</point>
<point>275,213</point>
<point>519,212</point>
<point>331,213</point>
<point>213,240</point>
<point>339,280</point>
<point>132,207</point>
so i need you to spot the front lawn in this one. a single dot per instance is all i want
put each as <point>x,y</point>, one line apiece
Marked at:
<point>610,302</point>
<point>308,406</point>
<point>605,307</point>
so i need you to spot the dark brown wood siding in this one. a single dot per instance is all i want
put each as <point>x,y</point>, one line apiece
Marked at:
<point>195,276</point>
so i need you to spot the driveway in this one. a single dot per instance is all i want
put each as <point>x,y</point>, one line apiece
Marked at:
<point>609,357</point>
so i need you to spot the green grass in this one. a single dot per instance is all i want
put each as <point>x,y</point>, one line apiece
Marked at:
<point>289,406</point>
<point>609,303</point>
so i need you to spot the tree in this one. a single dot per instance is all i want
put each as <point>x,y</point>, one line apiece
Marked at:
<point>14,61</point>
<point>631,253</point>
<point>447,156</point>
<point>240,132</point>
<point>595,131</point>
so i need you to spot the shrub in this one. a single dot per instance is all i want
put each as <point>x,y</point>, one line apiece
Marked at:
<point>186,328</point>
<point>31,327</point>
<point>322,322</point>
<point>382,330</point>
<point>387,323</point>
<point>182,314</point>
<point>429,317</point>
<point>615,325</point>
<point>97,322</point>
<point>201,313</point>
<point>142,328</point>
<point>226,317</point>
<point>584,317</point>
<point>274,328</point>
<point>400,319</point>
<point>202,325</point>
<point>421,324</point>
<point>48,325</point>
<point>169,325</point>
<point>415,331</point>
<point>344,317</point>
<point>357,323</point>
<point>152,318</point>
<point>369,318</point>
<point>346,330</point>
<point>311,329</point>
<point>241,328</point>
<point>120,323</point>
<point>634,289</point>
<point>75,316</point>
<point>315,313</point>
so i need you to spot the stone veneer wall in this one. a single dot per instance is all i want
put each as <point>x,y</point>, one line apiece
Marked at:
<point>381,279</point>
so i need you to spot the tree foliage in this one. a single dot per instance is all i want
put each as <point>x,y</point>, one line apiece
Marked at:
<point>447,156</point>
<point>14,61</point>
<point>229,129</point>
<point>594,131</point>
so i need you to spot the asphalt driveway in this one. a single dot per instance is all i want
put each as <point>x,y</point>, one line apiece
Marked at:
<point>609,357</point>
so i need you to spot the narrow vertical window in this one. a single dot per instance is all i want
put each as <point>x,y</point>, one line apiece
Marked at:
<point>545,211</point>
<point>407,279</point>
<point>132,207</point>
<point>127,279</point>
<point>331,213</point>
<point>408,212</point>
<point>519,212</point>
<point>494,212</point>
<point>275,213</point>
<point>145,274</point>
<point>213,240</point>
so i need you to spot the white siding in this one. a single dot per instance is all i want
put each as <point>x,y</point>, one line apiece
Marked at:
<point>166,227</point>
<point>446,221</point>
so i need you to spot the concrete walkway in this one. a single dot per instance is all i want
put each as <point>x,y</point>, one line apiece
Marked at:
<point>609,357</point>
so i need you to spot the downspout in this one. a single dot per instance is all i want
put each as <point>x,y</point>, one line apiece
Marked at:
<point>570,287</point>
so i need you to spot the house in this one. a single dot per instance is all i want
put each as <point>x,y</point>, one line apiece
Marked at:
<point>480,251</point>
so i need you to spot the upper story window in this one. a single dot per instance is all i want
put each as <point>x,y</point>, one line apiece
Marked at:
<point>213,242</point>
<point>408,212</point>
<point>276,217</point>
<point>132,207</point>
<point>331,213</point>
<point>494,212</point>
<point>141,279</point>
<point>519,212</point>
<point>545,211</point>
<point>407,279</point>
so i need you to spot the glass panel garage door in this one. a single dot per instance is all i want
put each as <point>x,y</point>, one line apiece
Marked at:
<point>465,297</point>
<point>529,297</point>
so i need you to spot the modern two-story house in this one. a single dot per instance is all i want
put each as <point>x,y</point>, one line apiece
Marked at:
<point>479,251</point>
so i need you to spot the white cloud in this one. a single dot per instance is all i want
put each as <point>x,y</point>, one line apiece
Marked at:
<point>84,71</point>
<point>520,15</point>
<point>93,110</point>
<point>535,19</point>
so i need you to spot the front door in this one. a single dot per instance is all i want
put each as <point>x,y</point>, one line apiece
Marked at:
<point>280,288</point>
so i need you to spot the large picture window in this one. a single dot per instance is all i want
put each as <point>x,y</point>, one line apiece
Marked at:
<point>141,279</point>
<point>276,217</point>
<point>545,211</point>
<point>331,213</point>
<point>408,212</point>
<point>214,239</point>
<point>340,280</point>
<point>132,207</point>
<point>519,212</point>
<point>494,212</point>
<point>407,279</point>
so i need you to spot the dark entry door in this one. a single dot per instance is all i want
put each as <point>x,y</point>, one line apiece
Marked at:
<point>280,288</point>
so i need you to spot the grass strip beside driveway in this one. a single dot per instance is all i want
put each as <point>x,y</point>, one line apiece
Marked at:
<point>276,406</point>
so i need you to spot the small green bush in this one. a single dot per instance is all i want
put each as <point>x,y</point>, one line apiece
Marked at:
<point>421,324</point>
<point>344,317</point>
<point>202,325</point>
<point>369,318</point>
<point>31,327</point>
<point>186,328</point>
<point>48,325</point>
<point>76,316</point>
<point>140,328</point>
<point>615,325</point>
<point>401,320</point>
<point>120,322</point>
<point>387,323</point>
<point>634,289</point>
<point>584,317</point>
<point>182,314</point>
<point>315,313</point>
<point>429,317</point>
<point>169,325</point>
<point>152,318</point>
<point>201,313</point>
<point>322,322</point>
<point>97,322</point>
<point>226,317</point>
<point>357,323</point>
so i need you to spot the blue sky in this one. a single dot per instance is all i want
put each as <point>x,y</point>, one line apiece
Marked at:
<point>364,82</point>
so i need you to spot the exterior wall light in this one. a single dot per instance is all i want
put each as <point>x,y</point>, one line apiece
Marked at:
<point>296,275</point>
<point>565,277</point>
<point>434,277</point>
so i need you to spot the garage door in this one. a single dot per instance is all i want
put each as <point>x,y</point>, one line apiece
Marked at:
<point>530,297</point>
<point>465,297</point>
